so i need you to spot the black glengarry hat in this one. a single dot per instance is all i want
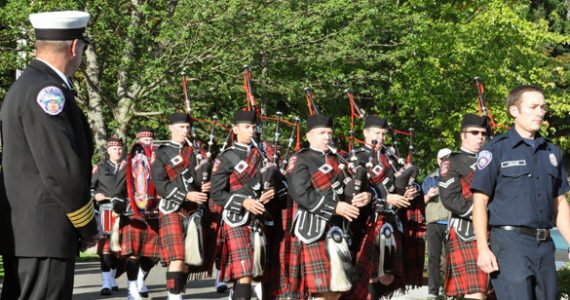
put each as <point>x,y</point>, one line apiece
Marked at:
<point>472,120</point>
<point>245,116</point>
<point>114,141</point>
<point>318,120</point>
<point>375,121</point>
<point>179,117</point>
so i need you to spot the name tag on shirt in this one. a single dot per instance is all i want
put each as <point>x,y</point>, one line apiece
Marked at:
<point>513,163</point>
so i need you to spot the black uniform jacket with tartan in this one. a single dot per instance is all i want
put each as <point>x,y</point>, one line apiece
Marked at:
<point>47,148</point>
<point>173,173</point>
<point>236,176</point>
<point>316,183</point>
<point>110,179</point>
<point>456,174</point>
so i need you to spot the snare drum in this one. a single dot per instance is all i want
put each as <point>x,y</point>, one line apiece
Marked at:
<point>107,220</point>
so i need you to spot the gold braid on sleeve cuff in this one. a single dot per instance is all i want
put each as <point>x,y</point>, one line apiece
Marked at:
<point>82,216</point>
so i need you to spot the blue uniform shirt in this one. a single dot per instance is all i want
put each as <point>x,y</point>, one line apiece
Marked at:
<point>520,180</point>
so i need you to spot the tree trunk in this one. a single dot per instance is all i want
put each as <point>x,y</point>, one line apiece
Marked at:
<point>94,104</point>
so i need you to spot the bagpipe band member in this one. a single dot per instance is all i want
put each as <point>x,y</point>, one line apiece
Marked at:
<point>174,177</point>
<point>140,242</point>
<point>321,265</point>
<point>463,276</point>
<point>379,262</point>
<point>237,185</point>
<point>108,187</point>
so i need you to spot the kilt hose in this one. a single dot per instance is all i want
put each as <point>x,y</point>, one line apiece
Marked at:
<point>462,275</point>
<point>310,269</point>
<point>171,232</point>
<point>140,237</point>
<point>368,259</point>
<point>237,253</point>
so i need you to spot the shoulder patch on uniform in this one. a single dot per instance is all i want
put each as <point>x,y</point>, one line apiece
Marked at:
<point>553,159</point>
<point>95,169</point>
<point>444,168</point>
<point>216,165</point>
<point>483,159</point>
<point>51,100</point>
<point>291,163</point>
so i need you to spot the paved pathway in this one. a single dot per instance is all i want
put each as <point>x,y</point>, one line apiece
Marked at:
<point>88,283</point>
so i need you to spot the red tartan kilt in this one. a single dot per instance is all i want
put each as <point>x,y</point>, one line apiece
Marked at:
<point>171,234</point>
<point>462,275</point>
<point>140,238</point>
<point>368,258</point>
<point>310,268</point>
<point>285,250</point>
<point>237,253</point>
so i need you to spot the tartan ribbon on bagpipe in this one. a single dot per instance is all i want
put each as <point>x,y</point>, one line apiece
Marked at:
<point>327,174</point>
<point>174,170</point>
<point>239,179</point>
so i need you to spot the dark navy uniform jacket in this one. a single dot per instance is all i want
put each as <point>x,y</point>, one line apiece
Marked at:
<point>521,181</point>
<point>47,146</point>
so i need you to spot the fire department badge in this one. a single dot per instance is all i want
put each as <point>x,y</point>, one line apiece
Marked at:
<point>553,159</point>
<point>444,168</point>
<point>51,100</point>
<point>484,159</point>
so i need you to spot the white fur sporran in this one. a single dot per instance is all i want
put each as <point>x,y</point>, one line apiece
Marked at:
<point>342,269</point>
<point>193,245</point>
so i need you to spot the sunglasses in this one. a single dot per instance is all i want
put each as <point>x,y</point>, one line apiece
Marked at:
<point>477,132</point>
<point>86,42</point>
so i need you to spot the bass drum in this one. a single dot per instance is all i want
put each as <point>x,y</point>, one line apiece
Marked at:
<point>141,192</point>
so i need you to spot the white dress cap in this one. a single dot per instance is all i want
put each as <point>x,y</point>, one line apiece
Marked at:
<point>59,25</point>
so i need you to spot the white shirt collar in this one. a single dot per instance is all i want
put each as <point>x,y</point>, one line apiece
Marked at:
<point>58,72</point>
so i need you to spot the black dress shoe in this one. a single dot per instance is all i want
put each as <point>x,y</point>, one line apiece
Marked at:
<point>221,289</point>
<point>144,294</point>
<point>115,288</point>
<point>105,291</point>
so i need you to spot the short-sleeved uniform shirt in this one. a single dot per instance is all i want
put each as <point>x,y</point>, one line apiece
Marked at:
<point>520,179</point>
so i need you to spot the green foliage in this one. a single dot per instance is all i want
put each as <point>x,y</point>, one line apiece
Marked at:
<point>564,282</point>
<point>411,61</point>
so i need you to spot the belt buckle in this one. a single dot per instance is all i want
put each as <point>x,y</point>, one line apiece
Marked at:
<point>541,234</point>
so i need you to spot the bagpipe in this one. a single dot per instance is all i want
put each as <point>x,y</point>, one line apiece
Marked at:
<point>484,110</point>
<point>272,172</point>
<point>200,227</point>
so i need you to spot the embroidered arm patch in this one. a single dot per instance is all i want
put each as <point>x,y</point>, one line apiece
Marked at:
<point>51,100</point>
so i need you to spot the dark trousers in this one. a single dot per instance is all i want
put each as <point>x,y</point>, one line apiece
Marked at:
<point>526,267</point>
<point>41,278</point>
<point>435,240</point>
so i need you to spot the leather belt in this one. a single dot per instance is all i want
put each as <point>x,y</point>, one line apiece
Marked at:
<point>539,234</point>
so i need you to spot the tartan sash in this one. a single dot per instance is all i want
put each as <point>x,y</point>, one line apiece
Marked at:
<point>179,163</point>
<point>326,176</point>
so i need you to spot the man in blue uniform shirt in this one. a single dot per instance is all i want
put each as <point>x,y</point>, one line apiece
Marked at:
<point>520,179</point>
